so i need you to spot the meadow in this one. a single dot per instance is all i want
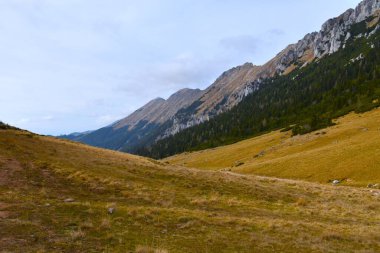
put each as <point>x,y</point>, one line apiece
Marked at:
<point>349,151</point>
<point>61,196</point>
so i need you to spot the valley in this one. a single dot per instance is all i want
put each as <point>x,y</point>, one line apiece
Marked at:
<point>61,196</point>
<point>277,157</point>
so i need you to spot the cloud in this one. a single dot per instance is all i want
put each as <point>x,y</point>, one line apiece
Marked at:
<point>23,121</point>
<point>186,69</point>
<point>108,119</point>
<point>47,118</point>
<point>250,44</point>
<point>276,32</point>
<point>242,43</point>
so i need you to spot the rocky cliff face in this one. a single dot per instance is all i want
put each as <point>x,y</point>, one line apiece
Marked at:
<point>334,32</point>
<point>328,40</point>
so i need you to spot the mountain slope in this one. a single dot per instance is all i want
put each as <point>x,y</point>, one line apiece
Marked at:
<point>151,124</point>
<point>160,110</point>
<point>349,150</point>
<point>233,85</point>
<point>137,128</point>
<point>60,196</point>
<point>306,99</point>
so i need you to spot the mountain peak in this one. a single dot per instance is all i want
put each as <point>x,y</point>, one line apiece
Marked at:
<point>184,92</point>
<point>156,100</point>
<point>160,110</point>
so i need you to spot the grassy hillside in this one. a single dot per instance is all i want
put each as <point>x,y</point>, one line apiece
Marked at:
<point>348,151</point>
<point>55,196</point>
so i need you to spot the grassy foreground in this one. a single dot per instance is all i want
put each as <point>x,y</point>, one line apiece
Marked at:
<point>59,196</point>
<point>348,151</point>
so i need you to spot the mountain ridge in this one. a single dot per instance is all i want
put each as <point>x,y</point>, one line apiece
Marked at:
<point>305,100</point>
<point>313,46</point>
<point>233,85</point>
<point>159,110</point>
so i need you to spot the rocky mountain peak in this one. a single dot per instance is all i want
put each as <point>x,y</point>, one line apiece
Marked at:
<point>365,9</point>
<point>333,32</point>
<point>226,85</point>
<point>155,101</point>
<point>328,40</point>
<point>159,110</point>
<point>233,71</point>
<point>186,92</point>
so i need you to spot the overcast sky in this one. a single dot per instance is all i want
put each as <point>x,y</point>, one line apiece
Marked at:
<point>76,65</point>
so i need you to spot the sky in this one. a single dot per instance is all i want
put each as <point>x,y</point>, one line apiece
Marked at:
<point>76,65</point>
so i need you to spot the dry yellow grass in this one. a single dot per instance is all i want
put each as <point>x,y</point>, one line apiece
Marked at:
<point>349,151</point>
<point>55,196</point>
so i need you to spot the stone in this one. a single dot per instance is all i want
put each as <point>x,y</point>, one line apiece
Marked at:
<point>261,154</point>
<point>68,200</point>
<point>111,210</point>
<point>373,186</point>
<point>335,182</point>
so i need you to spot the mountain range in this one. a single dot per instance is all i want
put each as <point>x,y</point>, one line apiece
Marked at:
<point>282,157</point>
<point>160,119</point>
